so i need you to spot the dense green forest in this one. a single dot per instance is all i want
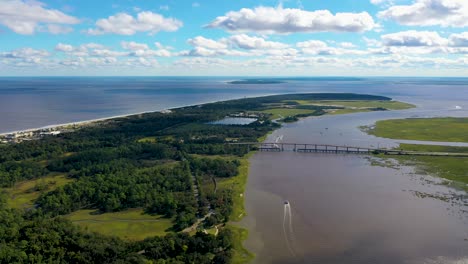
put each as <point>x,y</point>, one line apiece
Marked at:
<point>161,162</point>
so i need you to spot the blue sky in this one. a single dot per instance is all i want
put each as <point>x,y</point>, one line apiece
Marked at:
<point>242,37</point>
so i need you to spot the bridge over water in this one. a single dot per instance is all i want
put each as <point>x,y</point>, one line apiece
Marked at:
<point>337,149</point>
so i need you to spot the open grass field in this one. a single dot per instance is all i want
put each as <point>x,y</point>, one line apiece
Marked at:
<point>23,194</point>
<point>285,112</point>
<point>431,129</point>
<point>390,105</point>
<point>148,140</point>
<point>131,224</point>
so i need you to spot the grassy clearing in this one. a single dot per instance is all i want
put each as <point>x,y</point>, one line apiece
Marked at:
<point>131,224</point>
<point>285,112</point>
<point>147,140</point>
<point>390,105</point>
<point>23,194</point>
<point>241,255</point>
<point>432,129</point>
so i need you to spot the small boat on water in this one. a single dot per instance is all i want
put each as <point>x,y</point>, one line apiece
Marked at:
<point>286,202</point>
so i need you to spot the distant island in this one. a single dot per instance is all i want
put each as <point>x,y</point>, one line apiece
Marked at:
<point>257,81</point>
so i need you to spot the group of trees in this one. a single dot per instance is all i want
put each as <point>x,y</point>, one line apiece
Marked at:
<point>24,239</point>
<point>121,190</point>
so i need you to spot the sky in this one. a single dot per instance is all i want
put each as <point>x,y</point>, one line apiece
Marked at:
<point>234,38</point>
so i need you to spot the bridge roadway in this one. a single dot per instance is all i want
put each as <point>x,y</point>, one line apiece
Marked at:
<point>338,149</point>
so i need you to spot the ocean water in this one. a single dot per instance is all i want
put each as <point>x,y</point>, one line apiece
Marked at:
<point>31,102</point>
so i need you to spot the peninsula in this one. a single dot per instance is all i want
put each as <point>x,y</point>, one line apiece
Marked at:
<point>126,189</point>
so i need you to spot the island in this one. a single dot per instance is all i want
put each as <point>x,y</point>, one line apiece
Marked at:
<point>257,81</point>
<point>162,187</point>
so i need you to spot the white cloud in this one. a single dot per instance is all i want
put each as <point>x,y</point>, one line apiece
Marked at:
<point>195,4</point>
<point>459,40</point>
<point>447,13</point>
<point>125,24</point>
<point>25,53</point>
<point>92,46</point>
<point>150,53</point>
<point>25,17</point>
<point>141,62</point>
<point>414,38</point>
<point>82,50</point>
<point>236,45</point>
<point>281,20</point>
<point>73,62</point>
<point>58,29</point>
<point>347,45</point>
<point>317,47</point>
<point>161,46</point>
<point>133,45</point>
<point>244,41</point>
<point>207,43</point>
<point>164,7</point>
<point>372,42</point>
<point>107,53</point>
<point>313,44</point>
<point>64,47</point>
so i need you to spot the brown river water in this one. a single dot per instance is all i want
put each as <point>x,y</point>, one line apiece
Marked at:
<point>342,209</point>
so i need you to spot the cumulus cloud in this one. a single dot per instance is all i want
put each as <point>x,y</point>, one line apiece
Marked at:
<point>150,53</point>
<point>281,20</point>
<point>107,53</point>
<point>317,47</point>
<point>58,29</point>
<point>133,45</point>
<point>347,45</point>
<point>203,42</point>
<point>236,45</point>
<point>459,40</point>
<point>447,13</point>
<point>25,53</point>
<point>125,24</point>
<point>244,41</point>
<point>82,50</point>
<point>25,17</point>
<point>64,47</point>
<point>414,38</point>
<point>24,57</point>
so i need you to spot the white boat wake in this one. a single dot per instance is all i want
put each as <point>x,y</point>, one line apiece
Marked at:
<point>288,228</point>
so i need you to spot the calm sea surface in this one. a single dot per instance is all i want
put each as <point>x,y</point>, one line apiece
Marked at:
<point>36,102</point>
<point>341,208</point>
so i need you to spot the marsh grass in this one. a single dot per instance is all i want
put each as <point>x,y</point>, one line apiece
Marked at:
<point>446,129</point>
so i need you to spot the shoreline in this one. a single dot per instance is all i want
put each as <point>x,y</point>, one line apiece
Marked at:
<point>96,120</point>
